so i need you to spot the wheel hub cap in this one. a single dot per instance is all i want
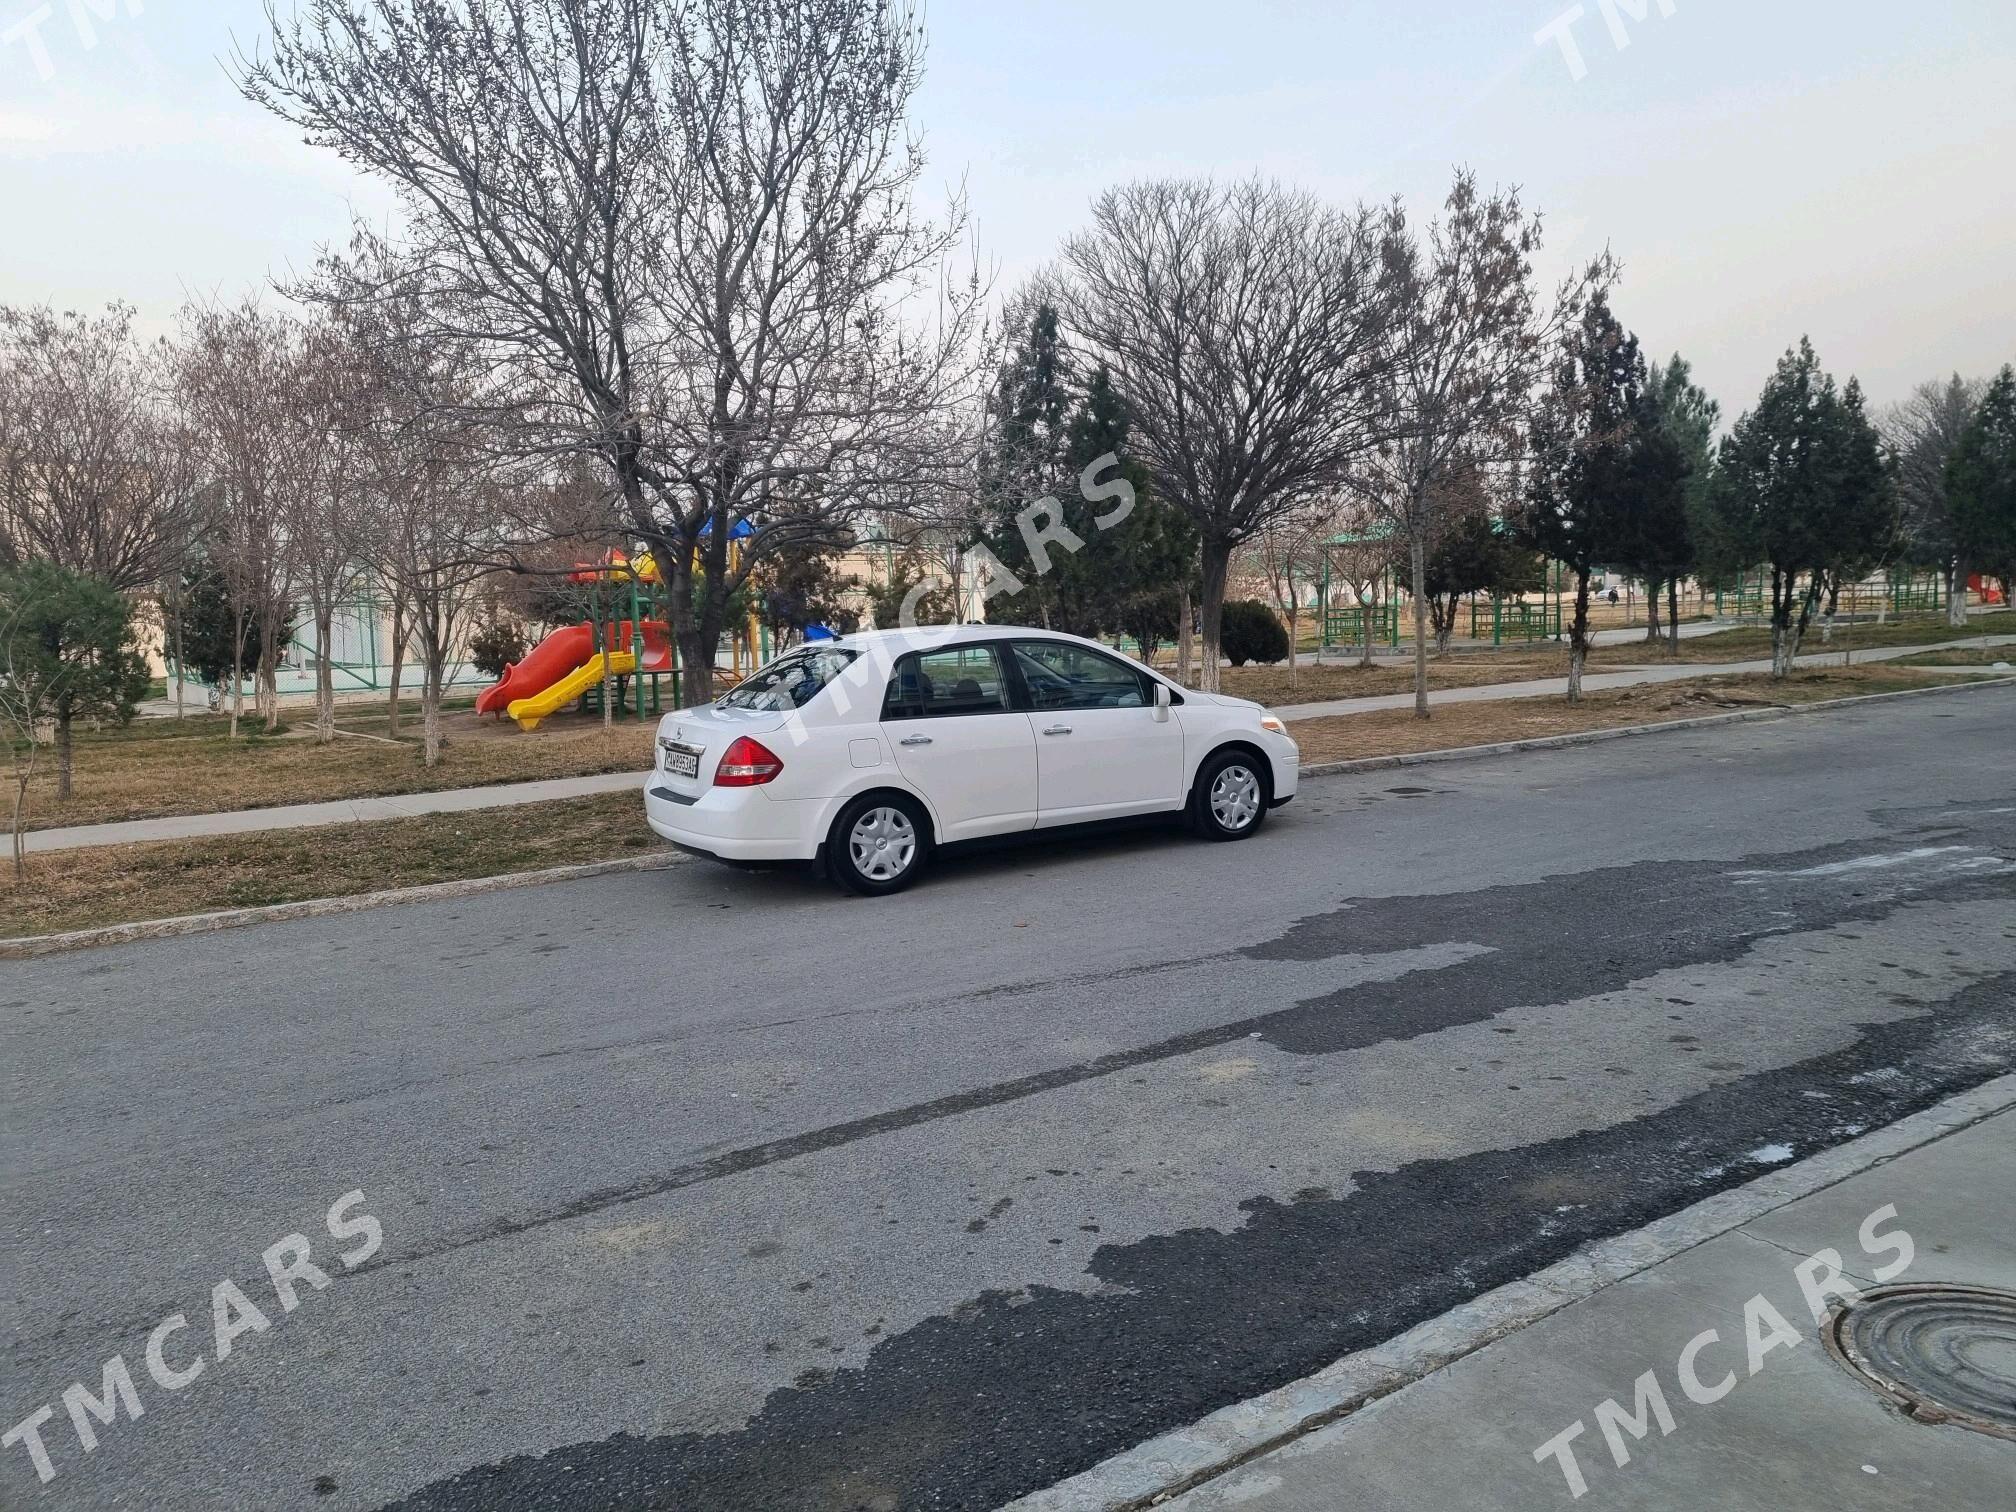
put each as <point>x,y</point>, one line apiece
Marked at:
<point>1235,797</point>
<point>883,843</point>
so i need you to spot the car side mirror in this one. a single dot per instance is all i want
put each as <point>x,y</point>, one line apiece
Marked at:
<point>1161,703</point>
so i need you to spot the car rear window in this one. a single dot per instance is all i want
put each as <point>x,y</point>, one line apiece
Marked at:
<point>790,682</point>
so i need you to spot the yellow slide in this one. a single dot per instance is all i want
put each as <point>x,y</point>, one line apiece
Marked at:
<point>529,711</point>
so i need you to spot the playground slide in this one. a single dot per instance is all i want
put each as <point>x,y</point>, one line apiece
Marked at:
<point>529,711</point>
<point>545,664</point>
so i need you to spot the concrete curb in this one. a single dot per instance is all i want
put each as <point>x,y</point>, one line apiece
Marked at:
<point>313,908</point>
<point>1176,1462</point>
<point>1625,732</point>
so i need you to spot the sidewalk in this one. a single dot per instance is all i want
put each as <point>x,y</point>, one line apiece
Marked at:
<point>505,795</point>
<point>1597,682</point>
<point>342,811</point>
<point>1794,1428</point>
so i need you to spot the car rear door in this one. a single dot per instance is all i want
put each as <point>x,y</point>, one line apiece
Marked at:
<point>1100,751</point>
<point>961,742</point>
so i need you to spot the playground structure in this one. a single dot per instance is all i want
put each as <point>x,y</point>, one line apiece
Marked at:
<point>618,641</point>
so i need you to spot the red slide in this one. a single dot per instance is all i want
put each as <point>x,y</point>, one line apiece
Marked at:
<point>544,665</point>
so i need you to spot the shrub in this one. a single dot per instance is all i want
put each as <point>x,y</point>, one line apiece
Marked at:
<point>495,645</point>
<point>1252,632</point>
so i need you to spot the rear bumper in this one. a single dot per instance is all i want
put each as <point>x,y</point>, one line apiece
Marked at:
<point>732,824</point>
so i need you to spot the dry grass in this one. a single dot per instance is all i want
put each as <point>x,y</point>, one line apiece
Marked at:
<point>114,884</point>
<point>191,766</point>
<point>1345,737</point>
<point>1313,684</point>
<point>1753,642</point>
<point>1965,656</point>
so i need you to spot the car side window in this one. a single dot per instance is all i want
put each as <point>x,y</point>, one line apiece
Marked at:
<point>937,684</point>
<point>1062,676</point>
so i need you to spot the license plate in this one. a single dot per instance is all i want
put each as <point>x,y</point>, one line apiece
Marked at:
<point>680,760</point>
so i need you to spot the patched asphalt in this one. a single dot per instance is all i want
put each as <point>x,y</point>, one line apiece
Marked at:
<point>717,1191</point>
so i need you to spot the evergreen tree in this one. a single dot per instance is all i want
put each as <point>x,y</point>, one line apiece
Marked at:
<point>67,652</point>
<point>1801,485</point>
<point>1028,462</point>
<point>210,626</point>
<point>1981,484</point>
<point>1046,442</point>
<point>1668,547</point>
<point>1473,552</point>
<point>1583,459</point>
<point>1125,573</point>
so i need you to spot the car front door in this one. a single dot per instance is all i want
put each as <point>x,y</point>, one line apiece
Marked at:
<point>961,742</point>
<point>1100,751</point>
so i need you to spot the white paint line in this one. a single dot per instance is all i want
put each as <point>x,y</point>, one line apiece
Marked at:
<point>1861,863</point>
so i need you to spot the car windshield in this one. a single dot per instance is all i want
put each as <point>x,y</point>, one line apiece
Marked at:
<point>791,681</point>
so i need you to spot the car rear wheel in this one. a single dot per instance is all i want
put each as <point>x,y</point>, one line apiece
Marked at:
<point>1229,799</point>
<point>878,844</point>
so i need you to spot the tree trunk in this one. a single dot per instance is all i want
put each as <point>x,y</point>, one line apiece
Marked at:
<point>1578,637</point>
<point>434,657</point>
<point>237,672</point>
<point>175,626</point>
<point>23,771</point>
<point>608,678</point>
<point>1652,632</point>
<point>63,751</point>
<point>1217,561</point>
<point>1294,634</point>
<point>1417,564</point>
<point>1673,616</point>
<point>1956,594</point>
<point>325,678</point>
<point>1183,638</point>
<point>398,650</point>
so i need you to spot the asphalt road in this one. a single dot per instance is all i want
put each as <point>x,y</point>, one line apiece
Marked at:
<point>712,1190</point>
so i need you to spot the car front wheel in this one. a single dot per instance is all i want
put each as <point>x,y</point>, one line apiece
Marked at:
<point>1229,800</point>
<point>878,844</point>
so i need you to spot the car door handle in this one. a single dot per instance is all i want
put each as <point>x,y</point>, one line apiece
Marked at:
<point>1058,730</point>
<point>915,740</point>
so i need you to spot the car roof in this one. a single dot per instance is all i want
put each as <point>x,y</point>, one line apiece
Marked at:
<point>941,634</point>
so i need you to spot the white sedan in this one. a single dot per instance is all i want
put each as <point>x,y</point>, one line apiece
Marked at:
<point>871,751</point>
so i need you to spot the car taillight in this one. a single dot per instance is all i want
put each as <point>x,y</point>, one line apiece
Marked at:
<point>746,763</point>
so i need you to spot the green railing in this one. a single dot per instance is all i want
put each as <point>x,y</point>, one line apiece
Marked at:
<point>1513,619</point>
<point>1347,626</point>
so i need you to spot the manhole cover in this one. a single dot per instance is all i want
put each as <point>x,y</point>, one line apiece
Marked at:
<point>1943,1354</point>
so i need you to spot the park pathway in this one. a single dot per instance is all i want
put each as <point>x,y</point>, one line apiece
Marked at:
<point>507,795</point>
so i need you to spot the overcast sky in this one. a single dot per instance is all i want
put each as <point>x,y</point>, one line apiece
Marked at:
<point>1836,167</point>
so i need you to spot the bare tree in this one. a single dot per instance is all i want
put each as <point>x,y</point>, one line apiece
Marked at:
<point>437,514</point>
<point>1248,327</point>
<point>233,367</point>
<point>1469,345</point>
<point>681,233</point>
<point>1360,559</point>
<point>95,474</point>
<point>327,414</point>
<point>1288,554</point>
<point>1922,432</point>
